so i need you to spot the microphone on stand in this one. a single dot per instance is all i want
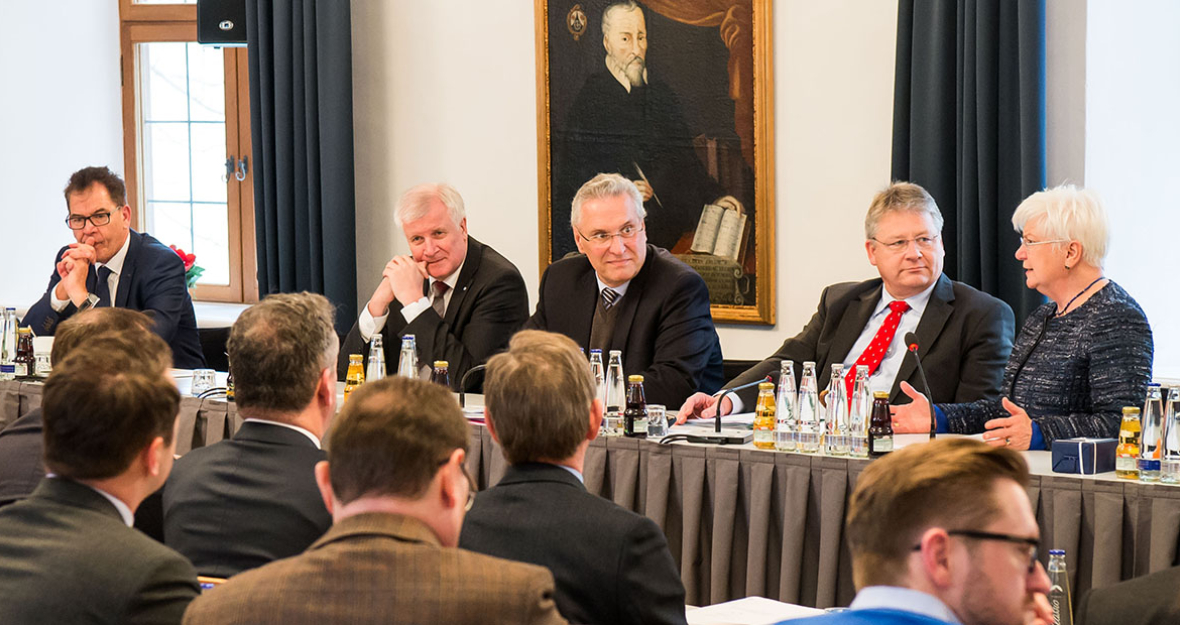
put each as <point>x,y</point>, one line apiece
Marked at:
<point>724,392</point>
<point>463,383</point>
<point>911,342</point>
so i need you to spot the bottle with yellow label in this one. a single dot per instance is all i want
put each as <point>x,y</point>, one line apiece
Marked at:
<point>764,417</point>
<point>355,376</point>
<point>1126,462</point>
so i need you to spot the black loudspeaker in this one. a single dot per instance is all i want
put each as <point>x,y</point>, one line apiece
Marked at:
<point>221,22</point>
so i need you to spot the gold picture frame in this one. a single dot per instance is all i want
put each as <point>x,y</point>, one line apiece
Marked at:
<point>703,136</point>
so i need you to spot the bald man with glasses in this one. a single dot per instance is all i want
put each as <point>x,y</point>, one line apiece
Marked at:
<point>964,335</point>
<point>623,293</point>
<point>109,264</point>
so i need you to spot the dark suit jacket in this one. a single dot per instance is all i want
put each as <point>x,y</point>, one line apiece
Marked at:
<point>611,565</point>
<point>1149,600</point>
<point>153,282</point>
<point>964,340</point>
<point>243,502</point>
<point>67,557</point>
<point>664,326</point>
<point>21,465</point>
<point>382,568</point>
<point>488,305</point>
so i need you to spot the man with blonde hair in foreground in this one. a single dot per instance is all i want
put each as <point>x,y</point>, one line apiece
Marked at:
<point>944,532</point>
<point>397,487</point>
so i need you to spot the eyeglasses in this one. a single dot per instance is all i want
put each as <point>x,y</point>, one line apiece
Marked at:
<point>471,488</point>
<point>77,222</point>
<point>1031,543</point>
<point>900,245</point>
<point>604,239</point>
<point>1026,242</point>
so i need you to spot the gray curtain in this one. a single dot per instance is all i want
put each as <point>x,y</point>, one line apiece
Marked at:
<point>969,126</point>
<point>300,55</point>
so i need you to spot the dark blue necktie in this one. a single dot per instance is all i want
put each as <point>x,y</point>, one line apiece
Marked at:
<point>103,288</point>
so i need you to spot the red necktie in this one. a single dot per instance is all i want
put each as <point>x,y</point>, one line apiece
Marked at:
<point>875,352</point>
<point>438,303</point>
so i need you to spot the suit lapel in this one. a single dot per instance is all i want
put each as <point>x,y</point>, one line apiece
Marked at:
<point>466,277</point>
<point>586,298</point>
<point>128,273</point>
<point>938,310</point>
<point>852,323</point>
<point>630,302</point>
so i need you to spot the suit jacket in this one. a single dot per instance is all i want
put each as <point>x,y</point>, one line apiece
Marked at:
<point>67,557</point>
<point>1149,600</point>
<point>22,467</point>
<point>664,327</point>
<point>381,568</point>
<point>611,565</point>
<point>244,502</point>
<point>489,303</point>
<point>153,282</point>
<point>964,340</point>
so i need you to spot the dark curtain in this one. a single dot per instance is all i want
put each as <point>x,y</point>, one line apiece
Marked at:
<point>301,120</point>
<point>969,126</point>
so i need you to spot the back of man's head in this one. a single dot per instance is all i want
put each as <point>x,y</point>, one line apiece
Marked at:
<point>278,349</point>
<point>106,401</point>
<point>947,483</point>
<point>538,396</point>
<point>88,324</point>
<point>905,197</point>
<point>392,437</point>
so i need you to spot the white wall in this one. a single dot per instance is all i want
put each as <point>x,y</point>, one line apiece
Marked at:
<point>431,104</point>
<point>61,111</point>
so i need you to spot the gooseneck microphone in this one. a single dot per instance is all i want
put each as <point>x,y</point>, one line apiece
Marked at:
<point>463,383</point>
<point>727,391</point>
<point>911,342</point>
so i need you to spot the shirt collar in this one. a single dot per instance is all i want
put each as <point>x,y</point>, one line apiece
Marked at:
<point>115,264</point>
<point>574,471</point>
<point>916,302</point>
<point>452,279</point>
<point>315,439</point>
<point>621,289</point>
<point>124,509</point>
<point>905,600</point>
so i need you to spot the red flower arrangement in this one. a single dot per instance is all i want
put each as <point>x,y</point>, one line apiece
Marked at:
<point>191,270</point>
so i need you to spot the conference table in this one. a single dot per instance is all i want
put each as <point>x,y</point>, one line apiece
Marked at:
<point>745,522</point>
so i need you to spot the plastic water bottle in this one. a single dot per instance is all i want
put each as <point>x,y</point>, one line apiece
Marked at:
<point>1170,456</point>
<point>1059,588</point>
<point>785,408</point>
<point>376,369</point>
<point>1149,446</point>
<point>407,360</point>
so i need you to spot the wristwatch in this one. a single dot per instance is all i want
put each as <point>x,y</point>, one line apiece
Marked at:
<point>91,302</point>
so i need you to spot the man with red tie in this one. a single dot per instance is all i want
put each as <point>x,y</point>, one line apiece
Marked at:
<point>964,335</point>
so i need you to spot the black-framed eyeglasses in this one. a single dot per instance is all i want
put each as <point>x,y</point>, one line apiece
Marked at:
<point>1033,544</point>
<point>471,488</point>
<point>78,222</point>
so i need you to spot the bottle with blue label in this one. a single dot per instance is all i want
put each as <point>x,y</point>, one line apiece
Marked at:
<point>1149,446</point>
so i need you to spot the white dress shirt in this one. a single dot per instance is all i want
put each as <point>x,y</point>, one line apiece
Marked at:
<point>124,509</point>
<point>883,378</point>
<point>115,264</point>
<point>314,439</point>
<point>370,325</point>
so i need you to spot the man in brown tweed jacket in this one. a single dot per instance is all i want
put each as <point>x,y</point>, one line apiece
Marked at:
<point>397,487</point>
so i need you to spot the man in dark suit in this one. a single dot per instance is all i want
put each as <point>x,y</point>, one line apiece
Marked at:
<point>622,293</point>
<point>21,442</point>
<point>1149,600</point>
<point>611,565</point>
<point>964,335</point>
<point>113,265</point>
<point>68,553</point>
<point>397,486</point>
<point>246,501</point>
<point>460,298</point>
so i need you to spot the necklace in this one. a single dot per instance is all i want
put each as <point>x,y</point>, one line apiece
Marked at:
<point>1075,297</point>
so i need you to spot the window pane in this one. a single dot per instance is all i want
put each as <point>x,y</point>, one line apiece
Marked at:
<point>171,223</point>
<point>206,73</point>
<point>166,161</point>
<point>163,81</point>
<point>208,154</point>
<point>211,242</point>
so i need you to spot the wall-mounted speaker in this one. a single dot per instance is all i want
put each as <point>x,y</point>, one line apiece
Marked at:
<point>221,22</point>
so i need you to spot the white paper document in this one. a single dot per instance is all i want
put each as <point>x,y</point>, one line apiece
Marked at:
<point>748,611</point>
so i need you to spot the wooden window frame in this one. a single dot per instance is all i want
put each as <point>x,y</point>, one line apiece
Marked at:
<point>140,23</point>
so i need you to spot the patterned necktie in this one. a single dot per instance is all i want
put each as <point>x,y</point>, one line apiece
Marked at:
<point>103,287</point>
<point>438,303</point>
<point>875,352</point>
<point>609,297</point>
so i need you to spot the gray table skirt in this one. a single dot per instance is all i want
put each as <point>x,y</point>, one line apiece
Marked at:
<point>744,522</point>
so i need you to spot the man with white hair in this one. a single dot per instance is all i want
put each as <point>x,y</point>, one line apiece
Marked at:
<point>460,298</point>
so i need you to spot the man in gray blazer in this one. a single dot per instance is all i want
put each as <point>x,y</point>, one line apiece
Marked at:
<point>611,565</point>
<point>68,553</point>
